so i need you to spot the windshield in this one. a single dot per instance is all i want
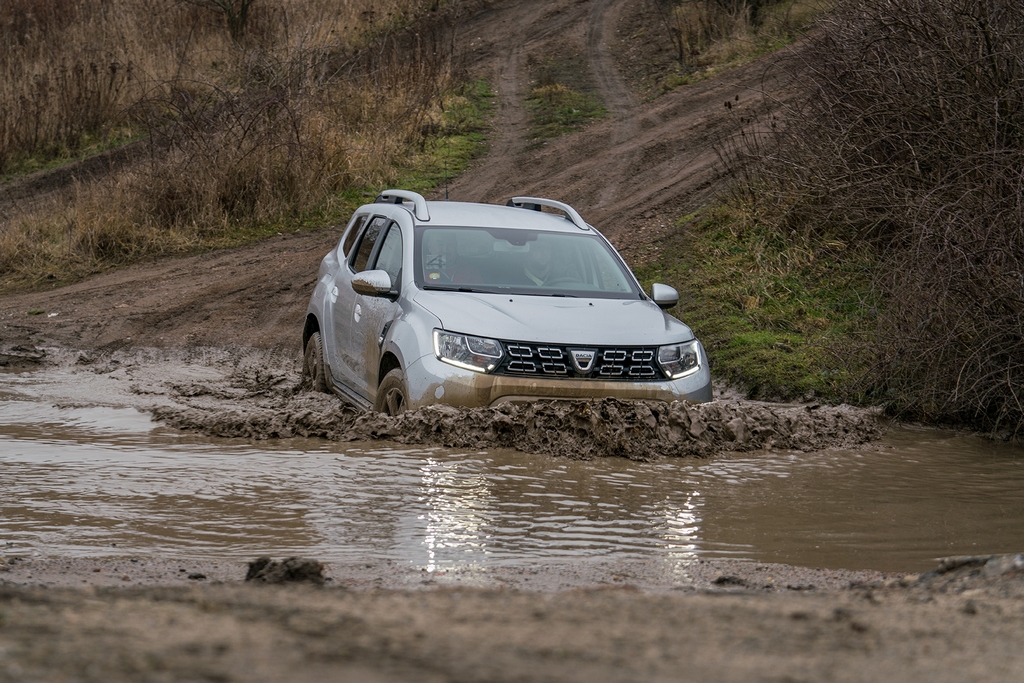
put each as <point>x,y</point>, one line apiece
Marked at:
<point>516,261</point>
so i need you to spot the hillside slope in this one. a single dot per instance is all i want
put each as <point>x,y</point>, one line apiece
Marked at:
<point>631,175</point>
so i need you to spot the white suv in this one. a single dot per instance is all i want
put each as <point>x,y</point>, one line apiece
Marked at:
<point>477,304</point>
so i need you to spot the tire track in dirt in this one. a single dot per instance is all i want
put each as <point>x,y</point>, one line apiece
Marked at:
<point>612,89</point>
<point>514,33</point>
<point>632,174</point>
<point>614,92</point>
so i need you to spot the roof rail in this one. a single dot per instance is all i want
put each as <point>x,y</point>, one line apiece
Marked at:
<point>536,202</point>
<point>398,196</point>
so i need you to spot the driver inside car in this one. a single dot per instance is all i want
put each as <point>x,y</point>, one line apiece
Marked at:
<point>442,263</point>
<point>538,263</point>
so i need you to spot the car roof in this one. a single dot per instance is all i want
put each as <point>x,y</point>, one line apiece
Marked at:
<point>472,214</point>
<point>496,216</point>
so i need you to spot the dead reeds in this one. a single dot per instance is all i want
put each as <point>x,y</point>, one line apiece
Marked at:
<point>717,31</point>
<point>236,130</point>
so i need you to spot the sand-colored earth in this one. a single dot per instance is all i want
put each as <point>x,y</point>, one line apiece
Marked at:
<point>962,625</point>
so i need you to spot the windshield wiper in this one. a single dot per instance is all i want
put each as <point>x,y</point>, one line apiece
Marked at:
<point>450,288</point>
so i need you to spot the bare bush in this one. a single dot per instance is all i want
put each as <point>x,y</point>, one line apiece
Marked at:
<point>912,138</point>
<point>694,25</point>
<point>302,125</point>
<point>234,12</point>
<point>70,68</point>
<point>318,98</point>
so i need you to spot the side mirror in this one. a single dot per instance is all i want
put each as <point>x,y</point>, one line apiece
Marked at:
<point>664,296</point>
<point>372,283</point>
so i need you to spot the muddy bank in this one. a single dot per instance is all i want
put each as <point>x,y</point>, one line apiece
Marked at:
<point>255,394</point>
<point>652,574</point>
<point>571,429</point>
<point>954,625</point>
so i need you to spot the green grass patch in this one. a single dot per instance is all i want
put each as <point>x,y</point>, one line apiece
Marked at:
<point>57,156</point>
<point>561,98</point>
<point>557,109</point>
<point>778,319</point>
<point>460,137</point>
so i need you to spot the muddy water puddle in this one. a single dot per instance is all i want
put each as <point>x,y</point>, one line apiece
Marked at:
<point>94,481</point>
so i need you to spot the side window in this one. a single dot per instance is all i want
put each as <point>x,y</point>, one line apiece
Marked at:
<point>389,258</point>
<point>350,237</point>
<point>361,257</point>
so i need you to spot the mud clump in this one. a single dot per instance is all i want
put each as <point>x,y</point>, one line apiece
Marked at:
<point>21,357</point>
<point>288,570</point>
<point>580,430</point>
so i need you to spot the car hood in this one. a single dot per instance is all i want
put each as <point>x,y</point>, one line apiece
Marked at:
<point>554,320</point>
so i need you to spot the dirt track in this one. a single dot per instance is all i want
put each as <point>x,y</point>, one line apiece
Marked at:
<point>630,175</point>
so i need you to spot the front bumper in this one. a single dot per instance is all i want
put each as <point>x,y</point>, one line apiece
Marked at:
<point>432,381</point>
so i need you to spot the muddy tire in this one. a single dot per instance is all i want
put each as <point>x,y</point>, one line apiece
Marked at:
<point>314,368</point>
<point>392,394</point>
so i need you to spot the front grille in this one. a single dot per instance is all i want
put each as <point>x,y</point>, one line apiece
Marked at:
<point>608,363</point>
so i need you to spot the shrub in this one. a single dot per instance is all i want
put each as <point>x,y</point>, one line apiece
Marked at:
<point>911,138</point>
<point>238,135</point>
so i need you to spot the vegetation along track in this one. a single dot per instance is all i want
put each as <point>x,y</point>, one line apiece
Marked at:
<point>630,174</point>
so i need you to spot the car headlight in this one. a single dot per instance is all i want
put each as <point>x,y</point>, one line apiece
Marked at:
<point>680,360</point>
<point>462,350</point>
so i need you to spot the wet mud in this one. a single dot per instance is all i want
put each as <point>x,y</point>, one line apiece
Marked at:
<point>580,430</point>
<point>940,626</point>
<point>256,394</point>
<point>288,570</point>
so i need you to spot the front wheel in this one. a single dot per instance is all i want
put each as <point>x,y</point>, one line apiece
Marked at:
<point>314,369</point>
<point>392,394</point>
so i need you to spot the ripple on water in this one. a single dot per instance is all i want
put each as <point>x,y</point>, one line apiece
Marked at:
<point>94,481</point>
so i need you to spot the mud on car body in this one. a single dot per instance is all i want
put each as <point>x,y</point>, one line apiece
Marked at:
<point>477,304</point>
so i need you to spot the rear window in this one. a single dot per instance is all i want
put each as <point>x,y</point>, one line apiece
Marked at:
<point>351,235</point>
<point>366,243</point>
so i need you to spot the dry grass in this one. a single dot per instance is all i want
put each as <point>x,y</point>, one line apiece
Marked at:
<point>676,42</point>
<point>313,99</point>
<point>717,32</point>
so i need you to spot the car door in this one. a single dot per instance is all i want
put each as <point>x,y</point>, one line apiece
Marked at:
<point>339,275</point>
<point>346,361</point>
<point>372,315</point>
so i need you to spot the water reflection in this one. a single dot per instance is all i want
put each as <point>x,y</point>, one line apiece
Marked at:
<point>681,529</point>
<point>77,481</point>
<point>456,522</point>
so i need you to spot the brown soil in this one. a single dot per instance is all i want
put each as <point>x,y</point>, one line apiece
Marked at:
<point>236,314</point>
<point>955,624</point>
